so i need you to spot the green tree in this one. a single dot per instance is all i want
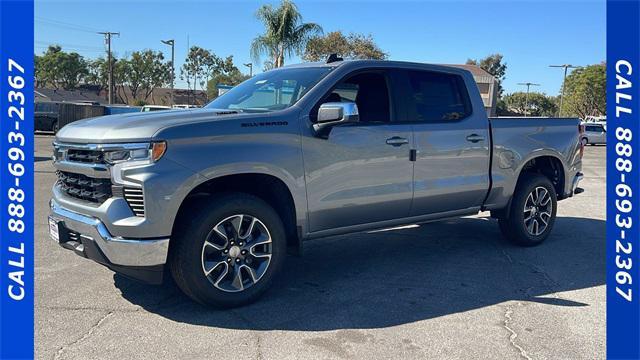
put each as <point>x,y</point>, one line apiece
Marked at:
<point>493,65</point>
<point>285,33</point>
<point>37,65</point>
<point>98,72</point>
<point>56,68</point>
<point>585,92</point>
<point>143,72</point>
<point>353,46</point>
<point>120,82</point>
<point>198,66</point>
<point>538,104</point>
<point>267,65</point>
<point>225,74</point>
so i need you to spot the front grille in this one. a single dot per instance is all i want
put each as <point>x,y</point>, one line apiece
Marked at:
<point>85,156</point>
<point>135,199</point>
<point>83,187</point>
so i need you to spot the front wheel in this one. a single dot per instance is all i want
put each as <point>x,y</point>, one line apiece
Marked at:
<point>533,212</point>
<point>229,253</point>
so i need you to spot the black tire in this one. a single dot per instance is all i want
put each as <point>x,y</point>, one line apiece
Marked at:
<point>585,141</point>
<point>186,259</point>
<point>55,127</point>
<point>513,226</point>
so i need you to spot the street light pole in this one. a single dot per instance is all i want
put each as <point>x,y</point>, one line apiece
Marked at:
<point>173,64</point>
<point>250,66</point>
<point>526,99</point>
<point>565,66</point>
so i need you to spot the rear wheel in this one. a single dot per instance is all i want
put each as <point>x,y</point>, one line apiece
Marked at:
<point>533,212</point>
<point>585,141</point>
<point>55,127</point>
<point>228,254</point>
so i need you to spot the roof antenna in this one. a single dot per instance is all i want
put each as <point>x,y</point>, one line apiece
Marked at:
<point>333,58</point>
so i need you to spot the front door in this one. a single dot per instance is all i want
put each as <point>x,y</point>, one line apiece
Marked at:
<point>361,173</point>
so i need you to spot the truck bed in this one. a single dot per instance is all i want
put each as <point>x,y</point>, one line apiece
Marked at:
<point>516,140</point>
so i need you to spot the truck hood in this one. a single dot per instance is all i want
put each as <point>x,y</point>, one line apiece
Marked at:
<point>134,127</point>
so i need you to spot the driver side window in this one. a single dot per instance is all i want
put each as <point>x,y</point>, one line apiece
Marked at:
<point>369,91</point>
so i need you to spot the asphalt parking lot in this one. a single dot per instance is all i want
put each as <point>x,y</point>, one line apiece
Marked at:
<point>453,289</point>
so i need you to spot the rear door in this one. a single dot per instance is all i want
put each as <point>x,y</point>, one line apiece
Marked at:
<point>360,173</point>
<point>451,171</point>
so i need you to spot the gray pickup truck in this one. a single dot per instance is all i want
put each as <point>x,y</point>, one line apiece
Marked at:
<point>217,196</point>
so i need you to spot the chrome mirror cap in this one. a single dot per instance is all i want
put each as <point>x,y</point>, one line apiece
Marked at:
<point>334,113</point>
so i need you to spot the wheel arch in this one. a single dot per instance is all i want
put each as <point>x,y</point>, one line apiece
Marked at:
<point>548,164</point>
<point>268,187</point>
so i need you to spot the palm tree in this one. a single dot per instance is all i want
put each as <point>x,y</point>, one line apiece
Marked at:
<point>285,33</point>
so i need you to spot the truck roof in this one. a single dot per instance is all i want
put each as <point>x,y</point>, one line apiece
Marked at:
<point>380,63</point>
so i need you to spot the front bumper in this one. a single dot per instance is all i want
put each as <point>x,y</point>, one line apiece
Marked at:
<point>88,237</point>
<point>574,185</point>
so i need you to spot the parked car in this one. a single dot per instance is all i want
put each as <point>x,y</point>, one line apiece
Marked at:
<point>120,109</point>
<point>148,108</point>
<point>218,195</point>
<point>46,116</point>
<point>594,133</point>
<point>184,106</point>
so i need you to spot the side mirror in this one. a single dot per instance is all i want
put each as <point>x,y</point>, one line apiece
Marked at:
<point>334,113</point>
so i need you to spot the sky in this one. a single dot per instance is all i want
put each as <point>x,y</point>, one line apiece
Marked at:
<point>530,34</point>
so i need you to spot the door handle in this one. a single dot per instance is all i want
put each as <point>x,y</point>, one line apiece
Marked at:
<point>397,141</point>
<point>474,138</point>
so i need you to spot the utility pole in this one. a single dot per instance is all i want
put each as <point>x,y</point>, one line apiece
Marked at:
<point>250,66</point>
<point>526,101</point>
<point>107,36</point>
<point>565,66</point>
<point>173,64</point>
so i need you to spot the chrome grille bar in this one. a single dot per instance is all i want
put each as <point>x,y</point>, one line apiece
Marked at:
<point>135,199</point>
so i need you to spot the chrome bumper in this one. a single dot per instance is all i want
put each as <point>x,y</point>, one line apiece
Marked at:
<point>574,186</point>
<point>117,250</point>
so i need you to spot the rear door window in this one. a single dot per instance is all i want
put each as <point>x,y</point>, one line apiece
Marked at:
<point>437,97</point>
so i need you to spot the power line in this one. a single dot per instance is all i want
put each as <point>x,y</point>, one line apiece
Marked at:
<point>66,25</point>
<point>45,48</point>
<point>67,45</point>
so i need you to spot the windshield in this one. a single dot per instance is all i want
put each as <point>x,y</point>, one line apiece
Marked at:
<point>272,90</point>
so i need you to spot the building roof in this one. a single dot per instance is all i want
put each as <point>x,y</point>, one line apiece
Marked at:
<point>45,94</point>
<point>474,69</point>
<point>162,96</point>
<point>159,96</point>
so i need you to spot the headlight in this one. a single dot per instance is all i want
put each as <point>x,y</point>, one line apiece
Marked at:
<point>140,152</point>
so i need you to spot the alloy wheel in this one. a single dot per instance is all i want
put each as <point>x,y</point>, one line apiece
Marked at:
<point>537,211</point>
<point>236,253</point>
